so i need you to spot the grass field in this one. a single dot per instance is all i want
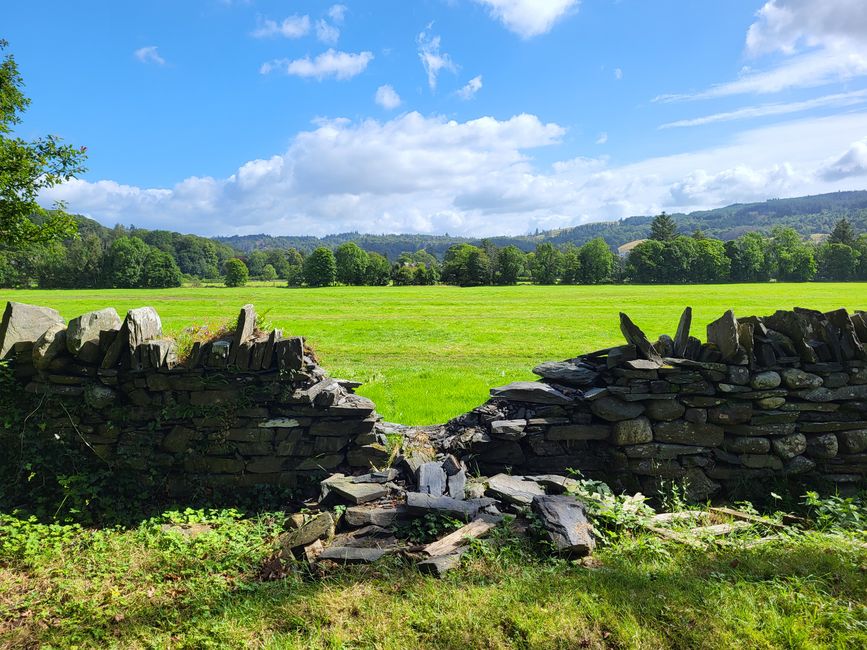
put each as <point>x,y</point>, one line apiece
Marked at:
<point>427,354</point>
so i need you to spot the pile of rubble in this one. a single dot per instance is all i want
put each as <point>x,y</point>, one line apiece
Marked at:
<point>376,509</point>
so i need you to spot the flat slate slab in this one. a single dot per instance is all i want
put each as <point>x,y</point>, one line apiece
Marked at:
<point>530,391</point>
<point>431,479</point>
<point>514,489</point>
<point>352,554</point>
<point>358,492</point>
<point>424,503</point>
<point>23,324</point>
<point>566,372</point>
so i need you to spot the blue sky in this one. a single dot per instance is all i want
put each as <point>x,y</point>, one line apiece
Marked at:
<point>463,116</point>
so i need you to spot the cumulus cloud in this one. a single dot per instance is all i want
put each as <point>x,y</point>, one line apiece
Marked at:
<point>149,54</point>
<point>337,13</point>
<point>618,74</point>
<point>387,97</point>
<point>326,32</point>
<point>528,18</point>
<point>851,164</point>
<point>602,138</point>
<point>418,173</point>
<point>340,65</point>
<point>291,27</point>
<point>821,43</point>
<point>473,86</point>
<point>432,59</point>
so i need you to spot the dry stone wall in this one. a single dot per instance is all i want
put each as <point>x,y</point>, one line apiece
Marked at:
<point>781,397</point>
<point>249,408</point>
<point>774,398</point>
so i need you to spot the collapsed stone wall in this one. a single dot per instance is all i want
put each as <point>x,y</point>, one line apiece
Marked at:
<point>779,397</point>
<point>248,408</point>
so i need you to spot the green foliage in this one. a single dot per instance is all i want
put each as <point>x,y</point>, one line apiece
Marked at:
<point>546,265</point>
<point>747,255</point>
<point>837,262</point>
<point>28,168</point>
<point>125,262</point>
<point>160,270</point>
<point>838,513</point>
<point>790,257</point>
<point>843,233</point>
<point>466,266</point>
<point>663,228</point>
<point>352,264</point>
<point>596,262</point>
<point>269,273</point>
<point>378,273</point>
<point>426,529</point>
<point>510,265</point>
<point>320,268</point>
<point>236,273</point>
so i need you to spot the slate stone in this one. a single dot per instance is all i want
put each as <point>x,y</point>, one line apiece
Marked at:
<point>320,526</point>
<point>456,484</point>
<point>578,432</point>
<point>681,338</point>
<point>451,465</point>
<point>836,380</point>
<point>358,516</point>
<point>665,409</point>
<point>663,451</point>
<point>761,461</point>
<point>22,325</point>
<point>823,446</point>
<point>632,432</point>
<point>688,433</point>
<point>530,391</point>
<point>49,346</point>
<point>420,503</point>
<point>98,397</point>
<point>290,353</point>
<point>442,564</point>
<point>83,333</point>
<point>615,410</point>
<point>766,380</point>
<point>509,429</point>
<point>565,523</point>
<point>798,331</point>
<point>723,333</point>
<point>851,345</point>
<point>569,373</point>
<point>798,465</point>
<point>431,479</point>
<point>352,554</point>
<point>852,442</point>
<point>730,413</point>
<point>789,446</point>
<point>513,489</point>
<point>358,492</point>
<point>634,336</point>
<point>140,325</point>
<point>246,325</point>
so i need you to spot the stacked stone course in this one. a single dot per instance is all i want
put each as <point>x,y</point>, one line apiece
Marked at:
<point>248,409</point>
<point>775,397</point>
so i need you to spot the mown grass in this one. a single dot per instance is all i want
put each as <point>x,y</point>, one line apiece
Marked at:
<point>429,353</point>
<point>148,587</point>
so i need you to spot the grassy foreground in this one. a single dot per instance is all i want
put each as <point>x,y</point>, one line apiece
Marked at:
<point>427,354</point>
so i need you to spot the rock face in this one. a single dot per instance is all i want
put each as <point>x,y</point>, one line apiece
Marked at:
<point>49,346</point>
<point>22,325</point>
<point>530,391</point>
<point>82,334</point>
<point>565,523</point>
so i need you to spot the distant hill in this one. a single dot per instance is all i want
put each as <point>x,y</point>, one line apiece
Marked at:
<point>808,215</point>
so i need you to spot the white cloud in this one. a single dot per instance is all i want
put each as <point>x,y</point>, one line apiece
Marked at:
<point>430,174</point>
<point>851,164</point>
<point>327,33</point>
<point>431,58</point>
<point>149,54</point>
<point>618,74</point>
<point>837,100</point>
<point>529,18</point>
<point>387,97</point>
<point>473,86</point>
<point>602,138</point>
<point>291,27</point>
<point>337,13</point>
<point>340,65</point>
<point>821,43</point>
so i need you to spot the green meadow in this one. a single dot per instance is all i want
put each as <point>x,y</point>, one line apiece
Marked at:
<point>426,354</point>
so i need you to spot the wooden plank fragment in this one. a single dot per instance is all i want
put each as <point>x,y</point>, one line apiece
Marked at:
<point>451,542</point>
<point>745,516</point>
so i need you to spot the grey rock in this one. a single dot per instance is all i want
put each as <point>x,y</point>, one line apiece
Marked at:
<point>769,403</point>
<point>508,429</point>
<point>456,484</point>
<point>632,432</point>
<point>358,492</point>
<point>320,526</point>
<point>688,433</point>
<point>97,396</point>
<point>723,333</point>
<point>451,465</point>
<point>852,442</point>
<point>681,338</point>
<point>663,451</point>
<point>431,479</point>
<point>442,564</point>
<point>698,486</point>
<point>82,334</point>
<point>747,445</point>
<point>22,325</point>
<point>513,489</point>
<point>565,523</point>
<point>766,380</point>
<point>420,503</point>
<point>49,346</point>
<point>634,336</point>
<point>578,432</point>
<point>789,446</point>
<point>761,461</point>
<point>358,516</point>
<point>731,413</point>
<point>567,372</point>
<point>822,446</point>
<point>246,325</point>
<point>352,554</point>
<point>665,409</point>
<point>530,391</point>
<point>615,410</point>
<point>836,380</point>
<point>140,325</point>
<point>290,353</point>
<point>798,465</point>
<point>738,375</point>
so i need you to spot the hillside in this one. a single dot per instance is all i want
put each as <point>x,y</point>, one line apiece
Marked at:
<point>807,214</point>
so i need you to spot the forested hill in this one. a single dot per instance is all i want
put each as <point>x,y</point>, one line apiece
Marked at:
<point>807,214</point>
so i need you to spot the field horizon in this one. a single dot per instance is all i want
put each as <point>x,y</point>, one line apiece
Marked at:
<point>427,354</point>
